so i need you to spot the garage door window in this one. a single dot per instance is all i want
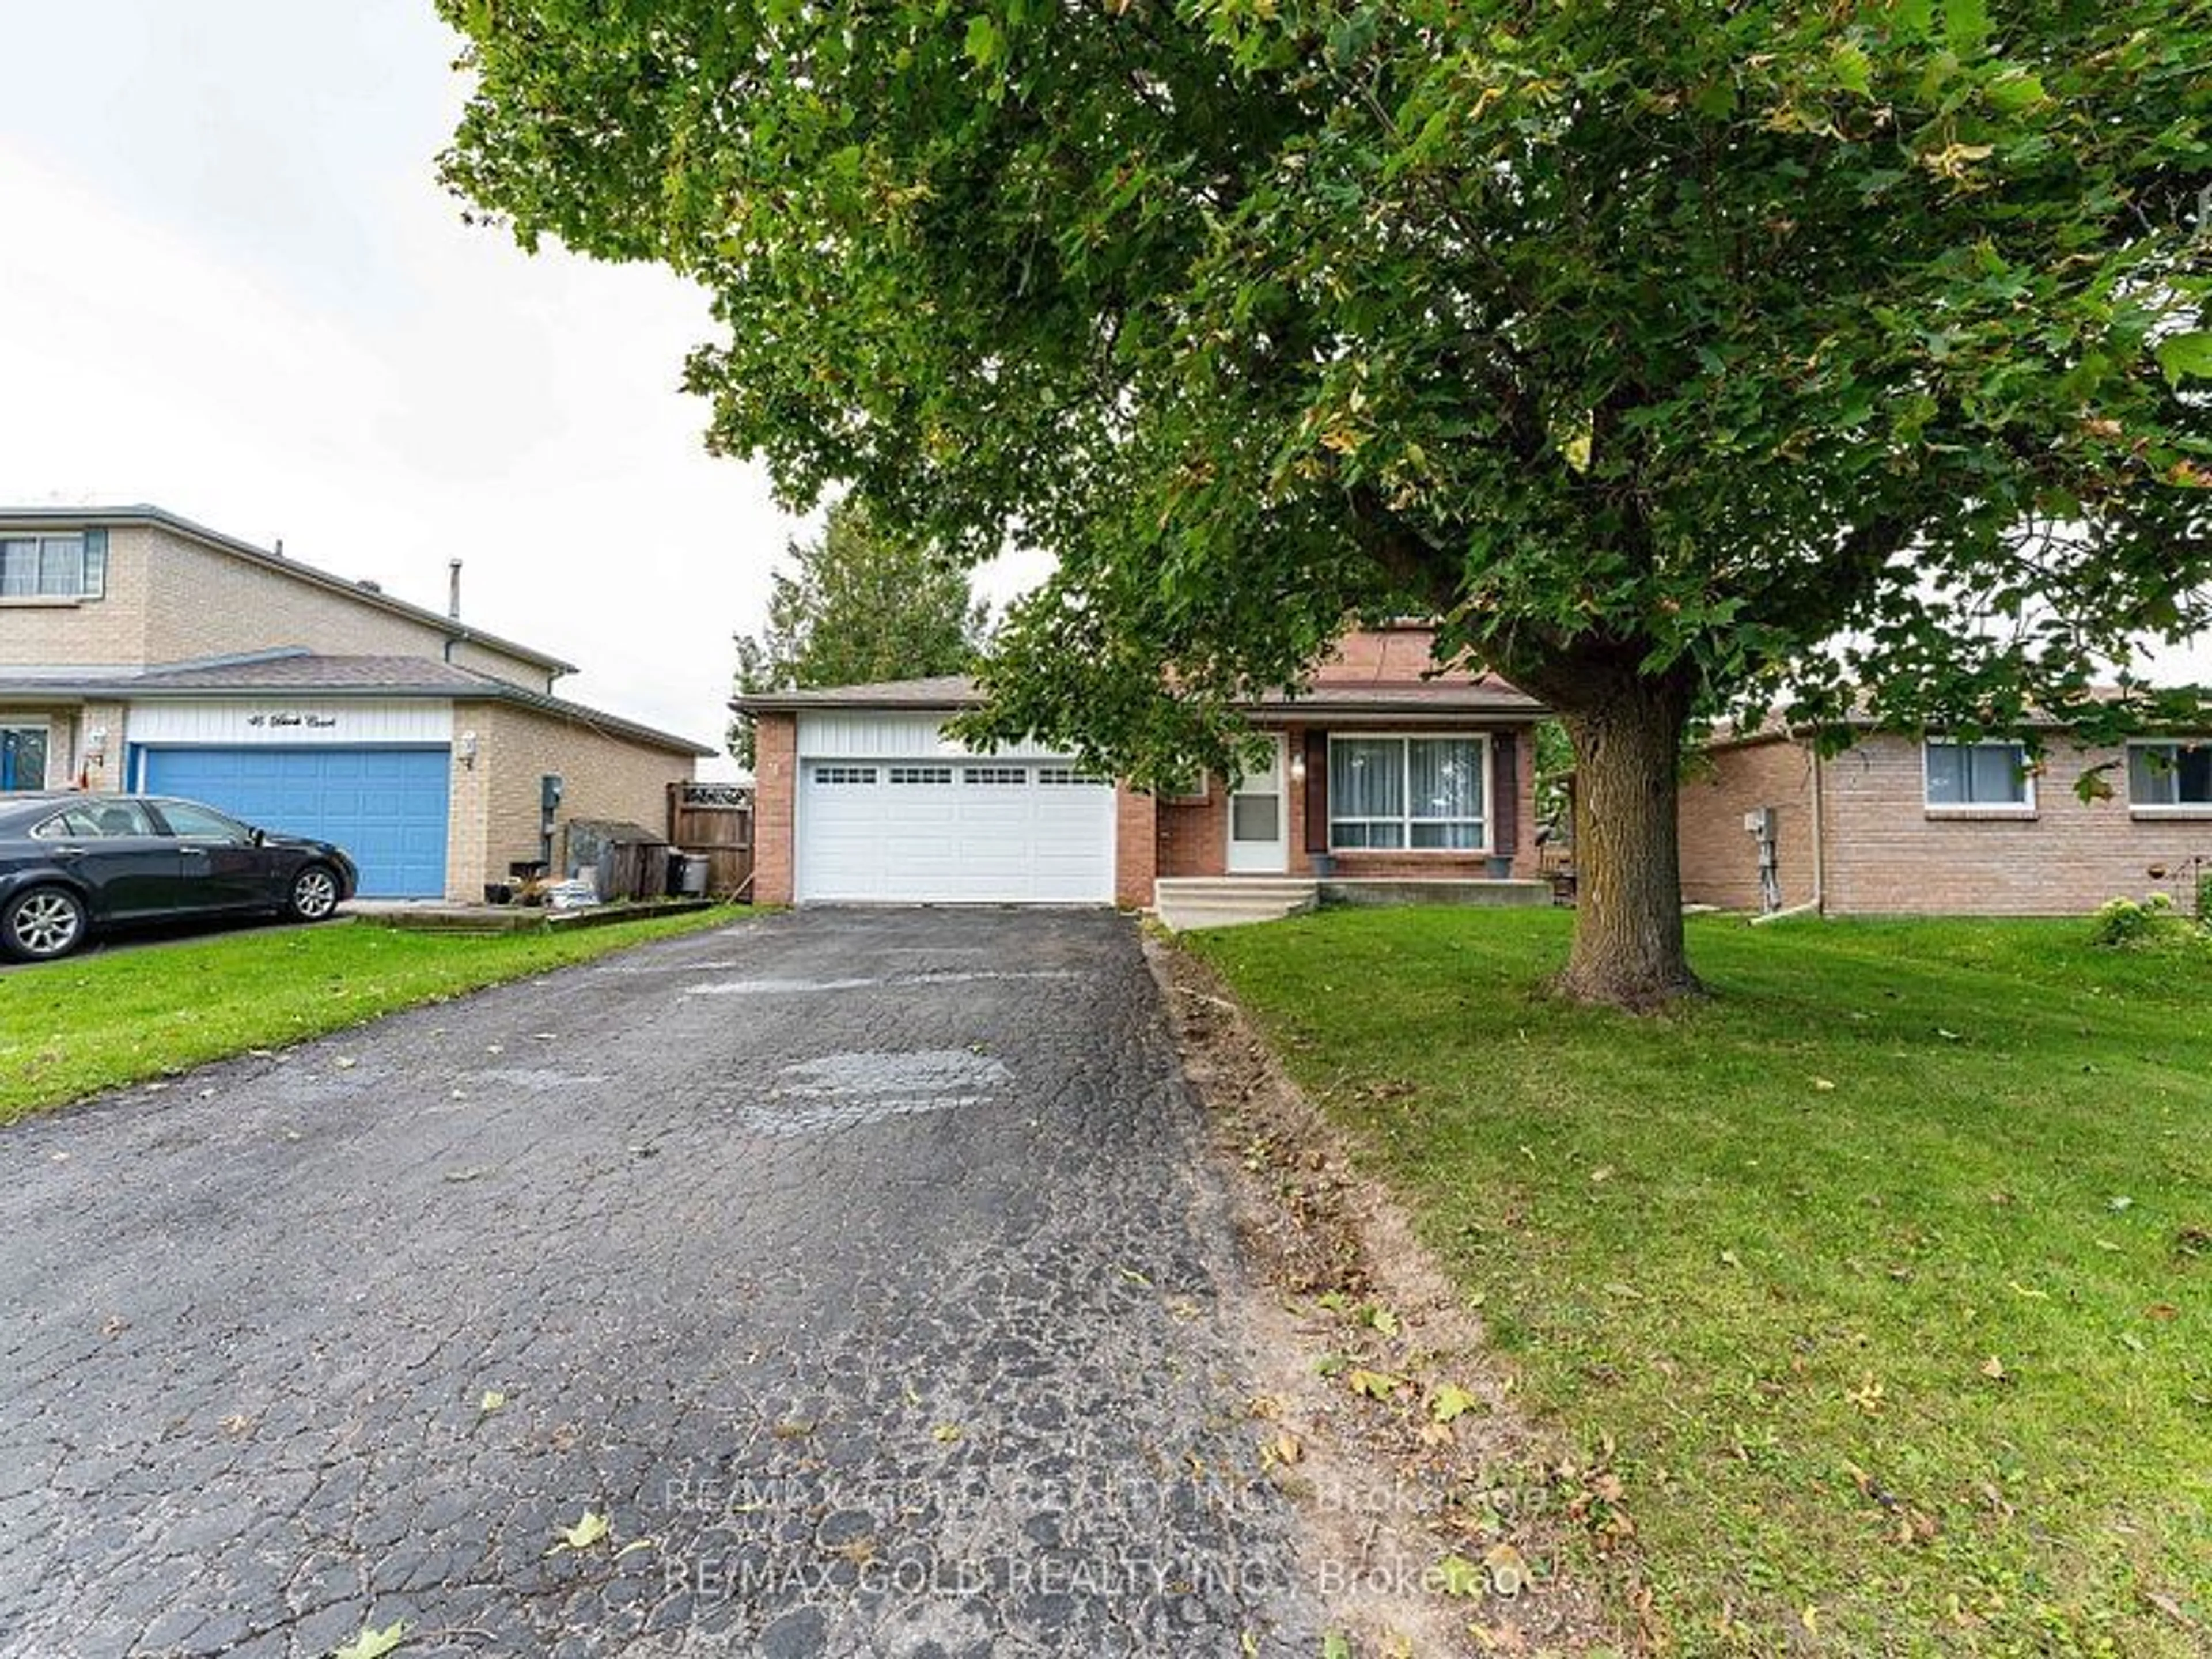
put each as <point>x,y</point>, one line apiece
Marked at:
<point>840,774</point>
<point>919,774</point>
<point>996,776</point>
<point>1066,777</point>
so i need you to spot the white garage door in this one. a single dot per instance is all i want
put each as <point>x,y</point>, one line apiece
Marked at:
<point>939,830</point>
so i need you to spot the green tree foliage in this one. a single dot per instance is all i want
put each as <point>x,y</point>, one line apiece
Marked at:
<point>1679,356</point>
<point>858,605</point>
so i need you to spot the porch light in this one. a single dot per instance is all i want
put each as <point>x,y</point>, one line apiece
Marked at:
<point>1298,766</point>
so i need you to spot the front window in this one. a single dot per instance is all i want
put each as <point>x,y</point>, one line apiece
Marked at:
<point>71,567</point>
<point>1423,794</point>
<point>2176,774</point>
<point>1978,775</point>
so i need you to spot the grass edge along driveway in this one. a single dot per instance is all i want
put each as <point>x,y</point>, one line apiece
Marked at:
<point>84,1024</point>
<point>1888,1273</point>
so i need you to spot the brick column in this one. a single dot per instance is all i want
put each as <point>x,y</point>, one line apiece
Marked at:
<point>775,807</point>
<point>1136,847</point>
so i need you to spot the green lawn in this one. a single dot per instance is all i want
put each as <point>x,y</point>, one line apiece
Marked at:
<point>71,1028</point>
<point>1889,1270</point>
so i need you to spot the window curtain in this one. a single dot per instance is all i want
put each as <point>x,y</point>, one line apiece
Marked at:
<point>1366,780</point>
<point>1446,776</point>
<point>1976,775</point>
<point>2170,775</point>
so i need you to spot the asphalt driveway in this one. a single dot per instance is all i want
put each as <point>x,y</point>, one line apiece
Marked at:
<point>859,1269</point>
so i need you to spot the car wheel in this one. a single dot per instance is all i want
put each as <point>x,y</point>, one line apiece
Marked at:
<point>42,924</point>
<point>314,894</point>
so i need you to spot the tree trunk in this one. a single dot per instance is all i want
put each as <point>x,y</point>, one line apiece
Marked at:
<point>1628,876</point>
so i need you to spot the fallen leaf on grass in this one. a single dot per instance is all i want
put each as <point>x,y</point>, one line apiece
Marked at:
<point>1508,1572</point>
<point>1994,1368</point>
<point>1868,1396</point>
<point>1375,1385</point>
<point>1288,1448</point>
<point>1457,1575</point>
<point>1376,1318</point>
<point>582,1536</point>
<point>1449,1402</point>
<point>372,1644</point>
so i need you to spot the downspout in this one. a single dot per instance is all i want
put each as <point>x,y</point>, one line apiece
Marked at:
<point>452,605</point>
<point>1817,905</point>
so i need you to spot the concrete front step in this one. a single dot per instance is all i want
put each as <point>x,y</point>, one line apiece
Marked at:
<point>1186,902</point>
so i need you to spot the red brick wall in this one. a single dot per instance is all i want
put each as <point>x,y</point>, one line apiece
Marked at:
<point>775,800</point>
<point>1194,834</point>
<point>1136,847</point>
<point>1720,857</point>
<point>1889,856</point>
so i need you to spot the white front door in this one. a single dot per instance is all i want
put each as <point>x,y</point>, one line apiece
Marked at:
<point>1259,819</point>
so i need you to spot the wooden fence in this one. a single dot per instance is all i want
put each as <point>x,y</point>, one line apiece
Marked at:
<point>715,819</point>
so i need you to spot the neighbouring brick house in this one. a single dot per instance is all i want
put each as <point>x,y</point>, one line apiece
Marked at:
<point>1379,771</point>
<point>1897,825</point>
<point>140,651</point>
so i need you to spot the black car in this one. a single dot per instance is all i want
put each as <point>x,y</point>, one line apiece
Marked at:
<point>74,865</point>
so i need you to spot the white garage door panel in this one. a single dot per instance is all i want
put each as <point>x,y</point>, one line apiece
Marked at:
<point>985,844</point>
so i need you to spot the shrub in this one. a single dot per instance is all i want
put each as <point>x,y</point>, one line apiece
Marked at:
<point>2150,924</point>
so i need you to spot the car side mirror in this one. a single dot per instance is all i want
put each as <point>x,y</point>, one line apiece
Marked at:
<point>261,836</point>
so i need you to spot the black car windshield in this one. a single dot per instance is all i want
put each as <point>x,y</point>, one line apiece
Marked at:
<point>97,821</point>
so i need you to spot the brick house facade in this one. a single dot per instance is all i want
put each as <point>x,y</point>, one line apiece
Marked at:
<point>1888,828</point>
<point>141,651</point>
<point>1457,802</point>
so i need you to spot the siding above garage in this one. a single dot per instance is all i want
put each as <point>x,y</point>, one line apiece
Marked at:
<point>284,723</point>
<point>879,734</point>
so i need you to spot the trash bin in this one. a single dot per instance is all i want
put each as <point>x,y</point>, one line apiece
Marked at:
<point>687,875</point>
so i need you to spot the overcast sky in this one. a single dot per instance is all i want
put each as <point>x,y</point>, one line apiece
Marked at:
<point>230,286</point>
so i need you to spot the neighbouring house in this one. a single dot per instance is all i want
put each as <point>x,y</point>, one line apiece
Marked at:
<point>1900,825</point>
<point>140,651</point>
<point>1380,773</point>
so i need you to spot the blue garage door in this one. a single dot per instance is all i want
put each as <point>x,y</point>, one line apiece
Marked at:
<point>387,807</point>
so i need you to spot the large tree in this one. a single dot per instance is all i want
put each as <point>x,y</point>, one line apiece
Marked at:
<point>858,604</point>
<point>1679,355</point>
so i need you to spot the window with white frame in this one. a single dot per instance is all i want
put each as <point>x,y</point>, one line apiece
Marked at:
<point>844,775</point>
<point>2174,776</point>
<point>917,775</point>
<point>1422,794</point>
<point>66,566</point>
<point>1976,775</point>
<point>995,776</point>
